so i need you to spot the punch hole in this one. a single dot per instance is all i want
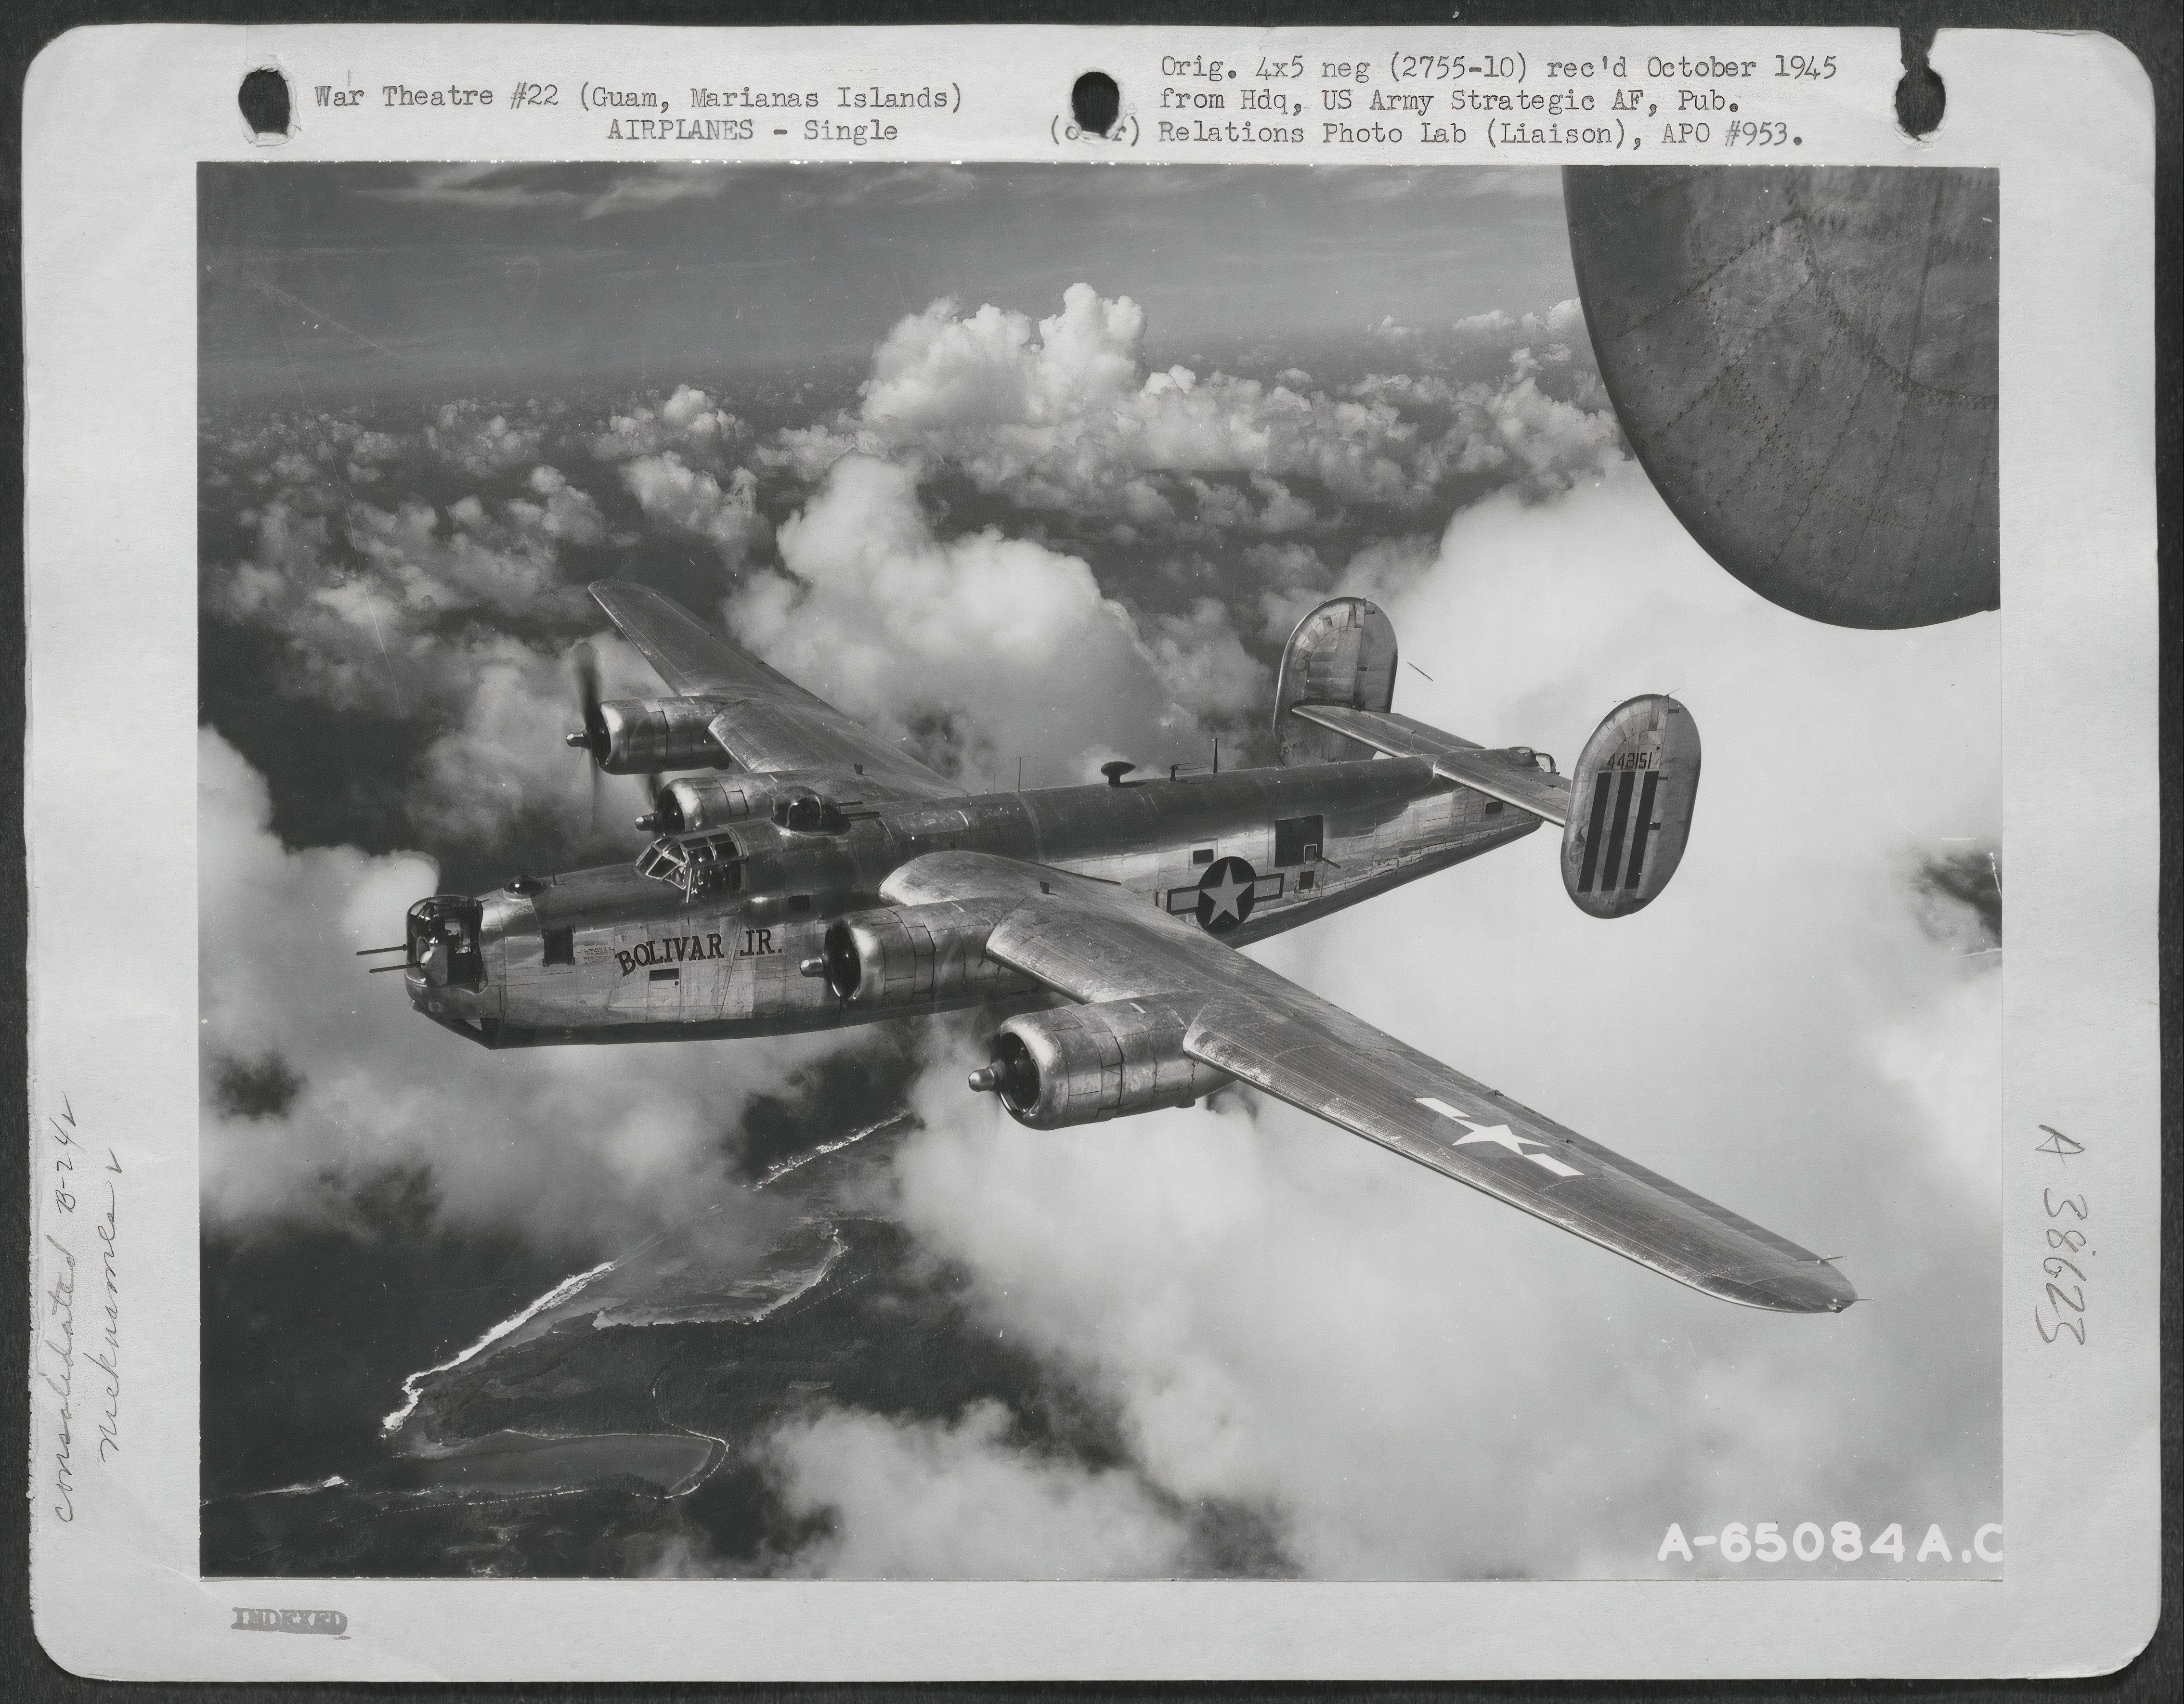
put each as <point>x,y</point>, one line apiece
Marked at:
<point>264,99</point>
<point>1920,98</point>
<point>1094,102</point>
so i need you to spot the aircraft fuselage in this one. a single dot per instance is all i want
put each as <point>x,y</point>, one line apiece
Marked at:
<point>611,954</point>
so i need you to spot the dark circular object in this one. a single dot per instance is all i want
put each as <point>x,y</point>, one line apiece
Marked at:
<point>1094,102</point>
<point>264,99</point>
<point>1804,359</point>
<point>1225,895</point>
<point>1921,98</point>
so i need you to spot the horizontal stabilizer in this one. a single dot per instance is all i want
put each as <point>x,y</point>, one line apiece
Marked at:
<point>1512,775</point>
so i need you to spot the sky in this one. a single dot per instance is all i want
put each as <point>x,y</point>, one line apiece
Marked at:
<point>398,280</point>
<point>1046,464</point>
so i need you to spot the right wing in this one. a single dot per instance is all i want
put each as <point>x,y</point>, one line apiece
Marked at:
<point>1521,784</point>
<point>766,721</point>
<point>1093,941</point>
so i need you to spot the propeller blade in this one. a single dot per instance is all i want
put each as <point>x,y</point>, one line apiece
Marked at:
<point>588,682</point>
<point>592,737</point>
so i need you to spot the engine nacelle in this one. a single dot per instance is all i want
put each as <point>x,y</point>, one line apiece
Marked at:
<point>639,736</point>
<point>1082,1064</point>
<point>696,803</point>
<point>789,798</point>
<point>908,955</point>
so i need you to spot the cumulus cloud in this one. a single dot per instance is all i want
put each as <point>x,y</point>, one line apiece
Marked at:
<point>983,647</point>
<point>1063,415</point>
<point>1298,581</point>
<point>1418,1383</point>
<point>676,495</point>
<point>398,608</point>
<point>463,435</point>
<point>559,511</point>
<point>323,1088</point>
<point>461,557</point>
<point>690,423</point>
<point>995,368</point>
<point>387,625</point>
<point>912,1501</point>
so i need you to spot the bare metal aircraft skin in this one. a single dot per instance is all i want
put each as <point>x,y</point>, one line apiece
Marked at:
<point>814,876</point>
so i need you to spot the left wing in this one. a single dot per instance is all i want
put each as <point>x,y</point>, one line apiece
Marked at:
<point>1093,941</point>
<point>766,721</point>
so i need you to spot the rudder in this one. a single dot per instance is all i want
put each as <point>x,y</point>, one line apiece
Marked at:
<point>1631,797</point>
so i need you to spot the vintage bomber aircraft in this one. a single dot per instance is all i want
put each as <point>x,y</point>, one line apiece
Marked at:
<point>819,877</point>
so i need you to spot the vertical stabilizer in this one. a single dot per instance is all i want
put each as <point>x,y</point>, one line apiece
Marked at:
<point>1631,796</point>
<point>1343,652</point>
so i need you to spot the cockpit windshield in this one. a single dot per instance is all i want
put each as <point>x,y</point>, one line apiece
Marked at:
<point>807,813</point>
<point>695,863</point>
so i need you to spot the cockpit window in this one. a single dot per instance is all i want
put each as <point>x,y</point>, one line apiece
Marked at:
<point>695,863</point>
<point>807,813</point>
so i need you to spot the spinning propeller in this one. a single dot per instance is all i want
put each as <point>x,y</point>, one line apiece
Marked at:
<point>594,739</point>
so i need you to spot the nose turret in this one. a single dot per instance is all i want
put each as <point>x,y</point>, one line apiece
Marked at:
<point>447,949</point>
<point>449,965</point>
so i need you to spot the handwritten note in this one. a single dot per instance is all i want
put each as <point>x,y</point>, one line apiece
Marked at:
<point>67,1233</point>
<point>2064,1296</point>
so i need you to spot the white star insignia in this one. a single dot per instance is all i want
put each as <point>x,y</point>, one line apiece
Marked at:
<point>1226,897</point>
<point>1501,1136</point>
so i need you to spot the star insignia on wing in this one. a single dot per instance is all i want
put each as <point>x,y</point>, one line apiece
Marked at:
<point>1501,1136</point>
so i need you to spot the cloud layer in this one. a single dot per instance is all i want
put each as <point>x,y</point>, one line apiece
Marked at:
<point>1062,415</point>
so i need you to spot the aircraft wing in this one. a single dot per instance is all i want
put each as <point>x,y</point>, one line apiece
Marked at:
<point>1093,941</point>
<point>767,722</point>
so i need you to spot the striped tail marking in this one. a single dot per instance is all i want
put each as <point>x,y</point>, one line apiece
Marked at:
<point>1615,827</point>
<point>1593,834</point>
<point>1642,827</point>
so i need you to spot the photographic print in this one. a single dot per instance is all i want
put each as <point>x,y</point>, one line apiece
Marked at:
<point>1000,872</point>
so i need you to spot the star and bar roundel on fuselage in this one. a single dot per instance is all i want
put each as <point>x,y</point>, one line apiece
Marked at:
<point>1225,895</point>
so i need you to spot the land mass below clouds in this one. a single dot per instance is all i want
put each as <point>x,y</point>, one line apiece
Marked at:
<point>630,1428</point>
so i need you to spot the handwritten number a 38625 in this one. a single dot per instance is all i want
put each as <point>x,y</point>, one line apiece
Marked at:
<point>2069,1306</point>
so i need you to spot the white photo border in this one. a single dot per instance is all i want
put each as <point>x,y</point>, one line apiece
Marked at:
<point>116,121</point>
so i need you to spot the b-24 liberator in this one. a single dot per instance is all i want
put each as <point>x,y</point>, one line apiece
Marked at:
<point>812,875</point>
